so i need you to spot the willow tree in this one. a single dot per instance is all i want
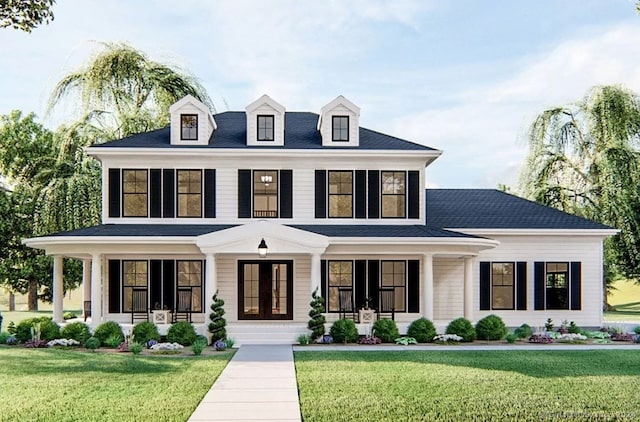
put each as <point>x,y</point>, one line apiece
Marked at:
<point>583,159</point>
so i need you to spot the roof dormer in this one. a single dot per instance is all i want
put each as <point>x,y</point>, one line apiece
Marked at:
<point>339,123</point>
<point>265,122</point>
<point>191,122</point>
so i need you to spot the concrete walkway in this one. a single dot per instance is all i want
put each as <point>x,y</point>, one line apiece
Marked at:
<point>258,384</point>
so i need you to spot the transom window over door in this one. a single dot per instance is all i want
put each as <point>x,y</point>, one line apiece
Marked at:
<point>135,277</point>
<point>189,193</point>
<point>557,285</point>
<point>394,277</point>
<point>265,193</point>
<point>393,194</point>
<point>134,193</point>
<point>502,285</point>
<point>341,194</point>
<point>265,128</point>
<point>340,278</point>
<point>340,128</point>
<point>189,127</point>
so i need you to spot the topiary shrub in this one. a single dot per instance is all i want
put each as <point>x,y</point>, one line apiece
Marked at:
<point>422,330</point>
<point>344,331</point>
<point>523,331</point>
<point>463,328</point>
<point>106,330</point>
<point>386,329</point>
<point>182,333</point>
<point>491,327</point>
<point>145,331</point>
<point>49,330</point>
<point>317,319</point>
<point>78,331</point>
<point>218,323</point>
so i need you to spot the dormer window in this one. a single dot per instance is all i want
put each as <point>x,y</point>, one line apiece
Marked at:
<point>265,127</point>
<point>189,127</point>
<point>340,125</point>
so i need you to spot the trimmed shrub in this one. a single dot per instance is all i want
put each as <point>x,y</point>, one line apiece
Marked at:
<point>218,323</point>
<point>511,338</point>
<point>344,331</point>
<point>3,337</point>
<point>106,330</point>
<point>182,333</point>
<point>145,331</point>
<point>523,331</point>
<point>491,327</point>
<point>49,330</point>
<point>463,328</point>
<point>78,331</point>
<point>386,329</point>
<point>422,330</point>
<point>92,343</point>
<point>317,319</point>
<point>637,329</point>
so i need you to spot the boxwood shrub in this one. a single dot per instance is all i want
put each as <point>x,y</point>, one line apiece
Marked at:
<point>78,331</point>
<point>422,330</point>
<point>386,330</point>
<point>463,328</point>
<point>491,327</point>
<point>344,331</point>
<point>49,330</point>
<point>145,331</point>
<point>523,331</point>
<point>108,330</point>
<point>182,333</point>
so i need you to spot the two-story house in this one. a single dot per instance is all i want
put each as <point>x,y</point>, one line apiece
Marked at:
<point>267,206</point>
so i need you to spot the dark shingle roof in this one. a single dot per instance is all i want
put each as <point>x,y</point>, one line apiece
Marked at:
<point>300,133</point>
<point>137,230</point>
<point>494,209</point>
<point>354,230</point>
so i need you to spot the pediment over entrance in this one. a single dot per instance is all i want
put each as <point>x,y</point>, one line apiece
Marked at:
<point>280,239</point>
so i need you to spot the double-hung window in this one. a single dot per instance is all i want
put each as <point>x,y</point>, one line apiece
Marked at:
<point>502,285</point>
<point>135,278</point>
<point>265,193</point>
<point>394,277</point>
<point>189,279</point>
<point>340,280</point>
<point>265,128</point>
<point>340,128</point>
<point>189,127</point>
<point>557,285</point>
<point>341,194</point>
<point>393,194</point>
<point>189,193</point>
<point>134,193</point>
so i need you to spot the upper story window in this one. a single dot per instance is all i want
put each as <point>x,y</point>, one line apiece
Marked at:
<point>134,193</point>
<point>341,194</point>
<point>393,194</point>
<point>557,285</point>
<point>265,193</point>
<point>189,127</point>
<point>340,128</point>
<point>189,193</point>
<point>265,128</point>
<point>394,278</point>
<point>502,285</point>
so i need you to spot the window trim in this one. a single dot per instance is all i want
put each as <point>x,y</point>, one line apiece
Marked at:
<point>394,287</point>
<point>273,128</point>
<point>123,194</point>
<point>382,195</point>
<point>178,194</point>
<point>567,281</point>
<point>182,138</point>
<point>513,286</point>
<point>333,125</point>
<point>329,287</point>
<point>253,193</point>
<point>329,194</point>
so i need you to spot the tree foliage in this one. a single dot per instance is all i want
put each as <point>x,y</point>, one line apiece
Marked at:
<point>583,159</point>
<point>25,14</point>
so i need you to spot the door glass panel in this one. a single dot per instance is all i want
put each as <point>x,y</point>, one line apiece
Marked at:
<point>251,288</point>
<point>279,289</point>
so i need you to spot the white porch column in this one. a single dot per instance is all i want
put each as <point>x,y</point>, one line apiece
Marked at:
<point>96,290</point>
<point>58,288</point>
<point>211,283</point>
<point>315,274</point>
<point>427,288</point>
<point>86,281</point>
<point>468,288</point>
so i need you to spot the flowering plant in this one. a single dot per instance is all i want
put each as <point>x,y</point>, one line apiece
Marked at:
<point>151,343</point>
<point>167,346</point>
<point>12,340</point>
<point>220,345</point>
<point>571,338</point>
<point>35,344</point>
<point>370,340</point>
<point>63,342</point>
<point>447,338</point>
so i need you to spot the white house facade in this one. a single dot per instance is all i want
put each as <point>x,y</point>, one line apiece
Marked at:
<point>337,209</point>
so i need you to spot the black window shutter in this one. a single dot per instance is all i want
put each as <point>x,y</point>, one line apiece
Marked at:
<point>414,194</point>
<point>168,193</point>
<point>168,282</point>
<point>323,283</point>
<point>321,194</point>
<point>286,194</point>
<point>361,194</point>
<point>155,193</point>
<point>114,192</point>
<point>374,282</point>
<point>155,282</point>
<point>538,286</point>
<point>360,282</point>
<point>209,193</point>
<point>485,286</point>
<point>576,286</point>
<point>244,193</point>
<point>413,286</point>
<point>521,286</point>
<point>114,286</point>
<point>374,194</point>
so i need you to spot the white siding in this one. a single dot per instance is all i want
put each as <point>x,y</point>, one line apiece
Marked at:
<point>448,288</point>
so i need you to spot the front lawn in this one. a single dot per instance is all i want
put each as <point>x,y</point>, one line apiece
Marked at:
<point>56,385</point>
<point>461,385</point>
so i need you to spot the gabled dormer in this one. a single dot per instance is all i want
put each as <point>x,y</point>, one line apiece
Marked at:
<point>339,123</point>
<point>265,122</point>
<point>191,122</point>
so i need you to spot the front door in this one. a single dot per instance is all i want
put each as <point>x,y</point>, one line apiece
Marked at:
<point>265,290</point>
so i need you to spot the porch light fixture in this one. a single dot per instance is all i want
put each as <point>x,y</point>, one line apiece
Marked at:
<point>266,179</point>
<point>262,248</point>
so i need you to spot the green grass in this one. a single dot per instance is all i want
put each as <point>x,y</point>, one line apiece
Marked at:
<point>458,386</point>
<point>67,385</point>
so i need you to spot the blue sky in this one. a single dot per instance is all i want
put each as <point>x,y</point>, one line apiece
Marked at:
<point>466,77</point>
